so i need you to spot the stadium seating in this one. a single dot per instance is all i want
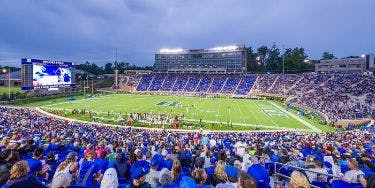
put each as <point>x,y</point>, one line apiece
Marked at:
<point>144,83</point>
<point>192,83</point>
<point>62,137</point>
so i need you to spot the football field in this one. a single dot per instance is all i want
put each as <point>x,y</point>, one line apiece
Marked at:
<point>242,114</point>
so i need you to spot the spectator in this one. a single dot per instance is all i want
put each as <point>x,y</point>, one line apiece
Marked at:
<point>352,175</point>
<point>219,176</point>
<point>200,177</point>
<point>20,177</point>
<point>139,177</point>
<point>66,172</point>
<point>153,176</point>
<point>246,181</point>
<point>298,180</point>
<point>259,173</point>
<point>166,180</point>
<point>110,179</point>
<point>318,172</point>
<point>36,166</point>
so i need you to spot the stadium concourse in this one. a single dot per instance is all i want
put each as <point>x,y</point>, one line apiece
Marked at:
<point>38,150</point>
<point>338,96</point>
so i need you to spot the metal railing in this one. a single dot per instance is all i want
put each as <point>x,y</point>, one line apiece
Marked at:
<point>277,174</point>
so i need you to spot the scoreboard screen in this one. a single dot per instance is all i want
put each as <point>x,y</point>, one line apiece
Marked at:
<point>41,74</point>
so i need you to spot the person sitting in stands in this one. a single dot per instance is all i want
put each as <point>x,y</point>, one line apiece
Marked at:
<point>200,177</point>
<point>21,178</point>
<point>298,180</point>
<point>259,173</point>
<point>66,172</point>
<point>139,177</point>
<point>246,181</point>
<point>354,172</point>
<point>110,179</point>
<point>35,165</point>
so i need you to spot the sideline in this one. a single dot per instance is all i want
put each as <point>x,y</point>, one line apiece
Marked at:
<point>315,129</point>
<point>159,129</point>
<point>191,120</point>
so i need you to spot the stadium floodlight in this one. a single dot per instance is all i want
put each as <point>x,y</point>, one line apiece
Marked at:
<point>363,56</point>
<point>225,48</point>
<point>166,50</point>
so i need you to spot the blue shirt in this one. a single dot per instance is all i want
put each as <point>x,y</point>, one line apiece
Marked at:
<point>34,165</point>
<point>260,174</point>
<point>210,170</point>
<point>102,164</point>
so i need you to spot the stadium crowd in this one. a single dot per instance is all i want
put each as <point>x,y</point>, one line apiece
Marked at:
<point>39,151</point>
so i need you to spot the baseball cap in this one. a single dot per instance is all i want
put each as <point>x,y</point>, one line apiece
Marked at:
<point>231,171</point>
<point>187,182</point>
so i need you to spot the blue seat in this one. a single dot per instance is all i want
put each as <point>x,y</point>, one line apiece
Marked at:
<point>321,184</point>
<point>340,184</point>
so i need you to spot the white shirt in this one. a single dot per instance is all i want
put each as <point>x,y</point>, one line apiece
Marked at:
<point>352,175</point>
<point>240,148</point>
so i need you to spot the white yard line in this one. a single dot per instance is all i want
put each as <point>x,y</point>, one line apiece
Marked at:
<point>269,117</point>
<point>312,127</point>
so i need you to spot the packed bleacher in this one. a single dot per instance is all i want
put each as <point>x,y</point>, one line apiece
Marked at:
<point>37,150</point>
<point>349,96</point>
<point>338,96</point>
<point>196,83</point>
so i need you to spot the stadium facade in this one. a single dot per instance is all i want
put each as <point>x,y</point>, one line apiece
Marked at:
<point>218,60</point>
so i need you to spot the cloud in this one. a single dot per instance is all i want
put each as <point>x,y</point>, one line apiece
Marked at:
<point>91,30</point>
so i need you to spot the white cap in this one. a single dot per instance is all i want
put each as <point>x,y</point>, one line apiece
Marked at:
<point>164,152</point>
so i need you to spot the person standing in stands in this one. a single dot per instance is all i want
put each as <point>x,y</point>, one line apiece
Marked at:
<point>20,177</point>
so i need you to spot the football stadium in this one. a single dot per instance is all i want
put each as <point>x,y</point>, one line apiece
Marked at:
<point>225,116</point>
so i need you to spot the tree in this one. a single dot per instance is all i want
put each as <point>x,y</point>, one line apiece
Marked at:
<point>327,55</point>
<point>108,69</point>
<point>262,55</point>
<point>274,59</point>
<point>252,65</point>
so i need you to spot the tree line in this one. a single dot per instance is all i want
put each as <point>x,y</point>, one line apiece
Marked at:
<point>261,60</point>
<point>271,60</point>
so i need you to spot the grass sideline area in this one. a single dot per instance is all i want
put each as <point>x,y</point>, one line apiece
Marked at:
<point>216,113</point>
<point>4,89</point>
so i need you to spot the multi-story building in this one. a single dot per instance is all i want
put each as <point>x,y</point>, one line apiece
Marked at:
<point>370,61</point>
<point>228,59</point>
<point>345,65</point>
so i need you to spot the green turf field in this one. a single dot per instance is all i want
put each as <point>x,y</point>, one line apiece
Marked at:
<point>243,114</point>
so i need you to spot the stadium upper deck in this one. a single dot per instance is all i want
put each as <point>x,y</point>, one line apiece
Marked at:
<point>227,59</point>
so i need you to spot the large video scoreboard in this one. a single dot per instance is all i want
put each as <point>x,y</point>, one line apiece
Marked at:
<point>44,74</point>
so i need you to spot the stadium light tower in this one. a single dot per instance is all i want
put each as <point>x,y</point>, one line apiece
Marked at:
<point>5,71</point>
